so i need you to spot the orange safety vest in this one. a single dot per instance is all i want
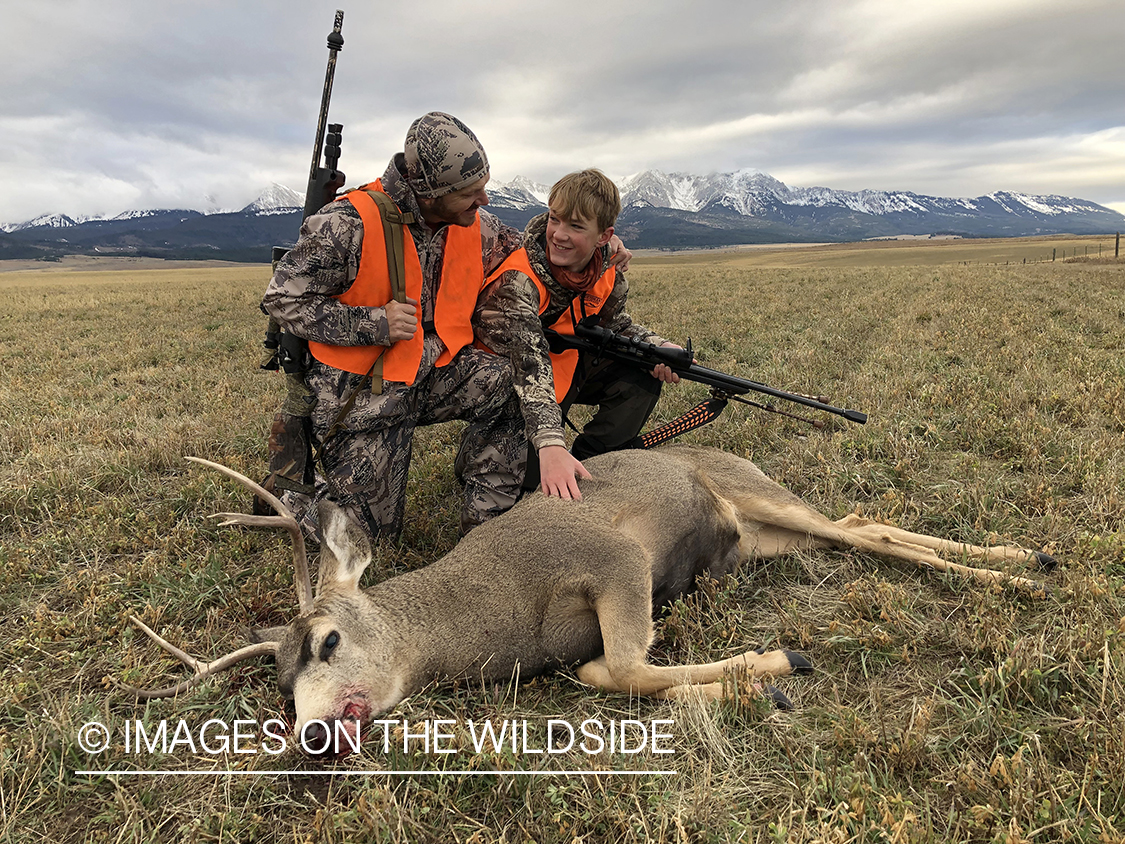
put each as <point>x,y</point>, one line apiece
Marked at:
<point>462,276</point>
<point>592,301</point>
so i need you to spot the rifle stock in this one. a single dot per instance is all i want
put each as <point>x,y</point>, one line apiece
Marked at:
<point>594,339</point>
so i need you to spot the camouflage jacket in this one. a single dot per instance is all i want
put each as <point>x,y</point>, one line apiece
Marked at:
<point>507,320</point>
<point>323,264</point>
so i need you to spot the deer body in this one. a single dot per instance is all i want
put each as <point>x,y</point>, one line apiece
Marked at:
<point>555,583</point>
<point>519,595</point>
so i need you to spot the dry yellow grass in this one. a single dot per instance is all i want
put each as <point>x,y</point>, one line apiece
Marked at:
<point>117,264</point>
<point>896,253</point>
<point>939,711</point>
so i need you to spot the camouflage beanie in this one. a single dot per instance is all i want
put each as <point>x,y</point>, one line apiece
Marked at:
<point>442,155</point>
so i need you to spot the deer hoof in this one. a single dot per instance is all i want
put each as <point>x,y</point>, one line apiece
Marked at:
<point>779,698</point>
<point>798,664</point>
<point>1046,561</point>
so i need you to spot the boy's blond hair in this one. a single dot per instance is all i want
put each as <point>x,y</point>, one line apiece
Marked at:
<point>589,194</point>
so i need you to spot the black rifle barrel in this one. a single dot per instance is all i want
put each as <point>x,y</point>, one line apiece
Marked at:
<point>335,45</point>
<point>734,385</point>
<point>598,340</point>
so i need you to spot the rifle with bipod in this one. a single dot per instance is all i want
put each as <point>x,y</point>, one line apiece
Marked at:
<point>600,342</point>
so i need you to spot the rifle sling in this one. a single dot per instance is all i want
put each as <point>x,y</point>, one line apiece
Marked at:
<point>394,222</point>
<point>697,417</point>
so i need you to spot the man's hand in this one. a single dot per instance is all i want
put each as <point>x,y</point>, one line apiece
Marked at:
<point>619,256</point>
<point>559,471</point>
<point>402,321</point>
<point>663,372</point>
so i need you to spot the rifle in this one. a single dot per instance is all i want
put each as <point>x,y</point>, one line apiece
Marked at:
<point>599,342</point>
<point>284,350</point>
<point>290,442</point>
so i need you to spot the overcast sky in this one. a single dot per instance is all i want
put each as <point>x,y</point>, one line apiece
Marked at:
<point>109,105</point>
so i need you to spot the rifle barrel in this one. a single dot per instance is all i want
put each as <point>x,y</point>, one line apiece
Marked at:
<point>601,341</point>
<point>335,45</point>
<point>734,385</point>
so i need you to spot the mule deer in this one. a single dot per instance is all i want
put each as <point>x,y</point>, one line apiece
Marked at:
<point>555,583</point>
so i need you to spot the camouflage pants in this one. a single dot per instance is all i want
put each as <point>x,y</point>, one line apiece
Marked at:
<point>366,463</point>
<point>625,397</point>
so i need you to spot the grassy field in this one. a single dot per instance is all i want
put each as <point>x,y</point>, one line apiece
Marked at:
<point>938,711</point>
<point>905,253</point>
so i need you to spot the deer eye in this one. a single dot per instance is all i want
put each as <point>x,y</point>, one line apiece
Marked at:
<point>330,643</point>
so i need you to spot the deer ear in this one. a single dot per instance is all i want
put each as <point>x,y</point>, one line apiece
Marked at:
<point>345,551</point>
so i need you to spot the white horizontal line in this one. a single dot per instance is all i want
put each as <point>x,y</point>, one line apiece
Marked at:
<point>377,773</point>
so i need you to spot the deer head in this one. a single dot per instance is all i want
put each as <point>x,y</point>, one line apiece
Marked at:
<point>336,660</point>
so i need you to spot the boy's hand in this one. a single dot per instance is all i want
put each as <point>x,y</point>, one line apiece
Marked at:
<point>559,471</point>
<point>401,319</point>
<point>663,372</point>
<point>619,256</point>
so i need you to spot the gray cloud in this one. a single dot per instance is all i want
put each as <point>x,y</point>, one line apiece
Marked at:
<point>119,104</point>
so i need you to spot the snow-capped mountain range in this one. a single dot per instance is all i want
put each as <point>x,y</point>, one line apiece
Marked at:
<point>276,199</point>
<point>679,210</point>
<point>664,210</point>
<point>751,193</point>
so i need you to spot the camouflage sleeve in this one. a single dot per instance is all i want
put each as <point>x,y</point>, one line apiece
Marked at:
<point>323,264</point>
<point>498,241</point>
<point>507,321</point>
<point>617,320</point>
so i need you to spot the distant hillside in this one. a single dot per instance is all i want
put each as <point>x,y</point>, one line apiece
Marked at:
<point>667,211</point>
<point>247,235</point>
<point>14,249</point>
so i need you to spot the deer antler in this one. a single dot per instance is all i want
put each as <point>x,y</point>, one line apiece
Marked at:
<point>284,519</point>
<point>202,669</point>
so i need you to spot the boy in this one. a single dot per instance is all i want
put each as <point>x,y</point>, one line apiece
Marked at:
<point>561,275</point>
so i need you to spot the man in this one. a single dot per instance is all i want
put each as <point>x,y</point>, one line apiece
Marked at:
<point>333,289</point>
<point>561,275</point>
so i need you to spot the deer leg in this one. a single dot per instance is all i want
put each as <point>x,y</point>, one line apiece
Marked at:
<point>709,691</point>
<point>721,691</point>
<point>772,528</point>
<point>661,681</point>
<point>625,617</point>
<point>669,682</point>
<point>769,541</point>
<point>995,553</point>
<point>876,539</point>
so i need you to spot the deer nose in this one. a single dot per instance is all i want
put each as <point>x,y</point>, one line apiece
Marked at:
<point>316,740</point>
<point>330,739</point>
